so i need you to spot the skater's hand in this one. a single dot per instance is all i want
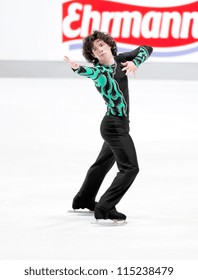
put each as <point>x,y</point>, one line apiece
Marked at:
<point>73,64</point>
<point>130,68</point>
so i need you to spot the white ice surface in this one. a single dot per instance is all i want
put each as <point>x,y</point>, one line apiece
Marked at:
<point>49,136</point>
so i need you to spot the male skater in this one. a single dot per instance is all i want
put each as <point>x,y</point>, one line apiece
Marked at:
<point>109,73</point>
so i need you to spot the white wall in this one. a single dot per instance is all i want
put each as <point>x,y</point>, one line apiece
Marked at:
<point>30,30</point>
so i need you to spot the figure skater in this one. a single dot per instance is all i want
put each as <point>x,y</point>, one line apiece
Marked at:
<point>109,73</point>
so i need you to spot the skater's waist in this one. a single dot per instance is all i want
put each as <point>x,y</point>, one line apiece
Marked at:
<point>117,118</point>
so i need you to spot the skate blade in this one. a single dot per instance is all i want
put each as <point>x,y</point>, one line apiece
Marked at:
<point>72,211</point>
<point>109,223</point>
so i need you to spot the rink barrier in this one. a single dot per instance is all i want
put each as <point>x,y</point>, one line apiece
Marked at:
<point>59,69</point>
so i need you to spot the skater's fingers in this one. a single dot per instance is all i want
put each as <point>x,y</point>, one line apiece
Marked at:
<point>66,58</point>
<point>131,72</point>
<point>73,64</point>
<point>125,68</point>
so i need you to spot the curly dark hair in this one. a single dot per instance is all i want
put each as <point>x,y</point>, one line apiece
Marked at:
<point>88,45</point>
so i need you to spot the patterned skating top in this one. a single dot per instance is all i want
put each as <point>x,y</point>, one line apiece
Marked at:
<point>111,81</point>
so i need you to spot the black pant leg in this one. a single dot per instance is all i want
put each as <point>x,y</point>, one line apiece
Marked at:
<point>116,132</point>
<point>96,175</point>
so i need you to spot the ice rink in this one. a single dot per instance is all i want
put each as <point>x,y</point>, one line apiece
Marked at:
<point>49,136</point>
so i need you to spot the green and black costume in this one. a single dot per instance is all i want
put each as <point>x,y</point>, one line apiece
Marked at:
<point>112,84</point>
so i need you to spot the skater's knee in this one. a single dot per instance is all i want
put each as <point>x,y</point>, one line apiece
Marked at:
<point>135,170</point>
<point>132,170</point>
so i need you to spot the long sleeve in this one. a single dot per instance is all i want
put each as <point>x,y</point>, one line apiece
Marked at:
<point>89,72</point>
<point>139,55</point>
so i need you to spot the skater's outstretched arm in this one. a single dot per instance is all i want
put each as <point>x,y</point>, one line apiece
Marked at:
<point>89,72</point>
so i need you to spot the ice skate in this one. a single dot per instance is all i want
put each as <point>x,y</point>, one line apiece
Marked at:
<point>109,223</point>
<point>110,218</point>
<point>80,208</point>
<point>83,212</point>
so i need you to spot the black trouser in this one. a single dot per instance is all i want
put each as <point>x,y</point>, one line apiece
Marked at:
<point>119,147</point>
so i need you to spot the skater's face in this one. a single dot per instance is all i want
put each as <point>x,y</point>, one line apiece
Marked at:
<point>101,51</point>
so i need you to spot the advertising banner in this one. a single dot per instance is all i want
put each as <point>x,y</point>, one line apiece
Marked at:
<point>171,30</point>
<point>48,30</point>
